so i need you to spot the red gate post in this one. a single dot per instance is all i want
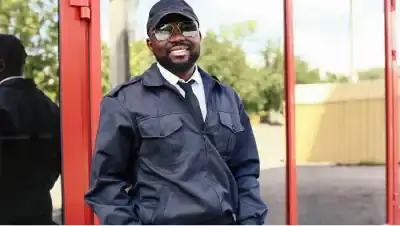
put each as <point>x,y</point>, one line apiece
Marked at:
<point>290,78</point>
<point>95,88</point>
<point>395,113</point>
<point>391,94</point>
<point>76,112</point>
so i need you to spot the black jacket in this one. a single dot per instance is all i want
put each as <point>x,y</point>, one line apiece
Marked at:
<point>30,154</point>
<point>153,165</point>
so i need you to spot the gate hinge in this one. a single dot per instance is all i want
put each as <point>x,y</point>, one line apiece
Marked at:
<point>84,7</point>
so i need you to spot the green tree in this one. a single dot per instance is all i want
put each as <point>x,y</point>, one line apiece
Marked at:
<point>372,74</point>
<point>271,78</point>
<point>222,59</point>
<point>35,22</point>
<point>336,78</point>
<point>223,56</point>
<point>304,74</point>
<point>105,68</point>
<point>140,57</point>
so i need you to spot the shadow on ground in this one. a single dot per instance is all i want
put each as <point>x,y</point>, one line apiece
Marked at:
<point>328,195</point>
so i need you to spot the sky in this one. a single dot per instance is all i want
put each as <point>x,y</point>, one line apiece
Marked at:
<point>321,28</point>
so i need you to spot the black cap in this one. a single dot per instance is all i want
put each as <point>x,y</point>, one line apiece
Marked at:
<point>11,49</point>
<point>165,7</point>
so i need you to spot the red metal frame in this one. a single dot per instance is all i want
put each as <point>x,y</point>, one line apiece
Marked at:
<point>95,72</point>
<point>80,60</point>
<point>80,101</point>
<point>95,68</point>
<point>290,80</point>
<point>391,99</point>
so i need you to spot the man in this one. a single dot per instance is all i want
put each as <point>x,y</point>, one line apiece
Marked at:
<point>174,145</point>
<point>30,154</point>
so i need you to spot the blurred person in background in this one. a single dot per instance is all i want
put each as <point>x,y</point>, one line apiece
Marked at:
<point>175,145</point>
<point>30,149</point>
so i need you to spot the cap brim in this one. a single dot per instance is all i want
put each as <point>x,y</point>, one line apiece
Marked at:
<point>161,16</point>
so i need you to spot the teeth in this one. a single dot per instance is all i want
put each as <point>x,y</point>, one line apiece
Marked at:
<point>179,52</point>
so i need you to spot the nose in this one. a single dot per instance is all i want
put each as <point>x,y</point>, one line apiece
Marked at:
<point>176,35</point>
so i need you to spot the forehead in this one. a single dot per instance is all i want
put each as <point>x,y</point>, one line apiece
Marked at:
<point>172,18</point>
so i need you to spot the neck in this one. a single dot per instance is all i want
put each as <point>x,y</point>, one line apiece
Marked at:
<point>188,74</point>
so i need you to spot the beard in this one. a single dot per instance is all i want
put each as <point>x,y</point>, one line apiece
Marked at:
<point>178,67</point>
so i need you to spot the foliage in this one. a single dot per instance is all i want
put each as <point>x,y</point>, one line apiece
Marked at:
<point>140,57</point>
<point>105,68</point>
<point>35,22</point>
<point>332,77</point>
<point>222,55</point>
<point>372,74</point>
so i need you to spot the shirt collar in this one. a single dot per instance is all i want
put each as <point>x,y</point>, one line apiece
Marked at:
<point>173,79</point>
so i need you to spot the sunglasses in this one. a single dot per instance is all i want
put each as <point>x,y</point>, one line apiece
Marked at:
<point>165,31</point>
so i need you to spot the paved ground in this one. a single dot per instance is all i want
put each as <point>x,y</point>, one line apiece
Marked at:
<point>327,194</point>
<point>271,144</point>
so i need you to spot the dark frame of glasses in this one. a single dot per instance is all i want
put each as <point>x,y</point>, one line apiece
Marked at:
<point>175,25</point>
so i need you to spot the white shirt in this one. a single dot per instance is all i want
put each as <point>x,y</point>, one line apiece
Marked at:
<point>197,86</point>
<point>10,78</point>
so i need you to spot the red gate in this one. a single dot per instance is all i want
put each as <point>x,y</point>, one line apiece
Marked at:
<point>392,202</point>
<point>80,75</point>
<point>80,68</point>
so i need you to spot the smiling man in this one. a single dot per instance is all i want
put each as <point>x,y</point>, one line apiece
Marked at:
<point>174,145</point>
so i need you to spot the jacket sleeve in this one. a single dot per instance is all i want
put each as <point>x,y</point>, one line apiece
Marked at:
<point>245,166</point>
<point>112,166</point>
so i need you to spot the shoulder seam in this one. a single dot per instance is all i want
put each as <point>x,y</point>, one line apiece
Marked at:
<point>114,92</point>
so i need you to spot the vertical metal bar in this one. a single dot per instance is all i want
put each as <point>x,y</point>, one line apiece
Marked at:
<point>74,70</point>
<point>95,68</point>
<point>391,114</point>
<point>291,193</point>
<point>395,111</point>
<point>95,73</point>
<point>351,41</point>
<point>352,72</point>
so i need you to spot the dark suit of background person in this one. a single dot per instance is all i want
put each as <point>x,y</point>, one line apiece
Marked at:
<point>30,155</point>
<point>174,145</point>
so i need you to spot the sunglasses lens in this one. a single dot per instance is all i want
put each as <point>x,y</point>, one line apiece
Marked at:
<point>188,29</point>
<point>163,32</point>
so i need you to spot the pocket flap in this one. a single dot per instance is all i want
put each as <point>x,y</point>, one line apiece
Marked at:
<point>159,127</point>
<point>231,121</point>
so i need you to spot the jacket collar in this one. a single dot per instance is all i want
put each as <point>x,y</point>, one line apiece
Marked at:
<point>5,80</point>
<point>18,82</point>
<point>153,77</point>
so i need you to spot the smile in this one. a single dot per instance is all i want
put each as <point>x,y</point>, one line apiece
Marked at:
<point>179,52</point>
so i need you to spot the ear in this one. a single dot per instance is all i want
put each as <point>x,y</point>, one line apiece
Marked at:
<point>200,35</point>
<point>149,44</point>
<point>2,66</point>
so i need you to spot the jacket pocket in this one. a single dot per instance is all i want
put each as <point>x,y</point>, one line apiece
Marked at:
<point>230,125</point>
<point>159,127</point>
<point>231,121</point>
<point>162,143</point>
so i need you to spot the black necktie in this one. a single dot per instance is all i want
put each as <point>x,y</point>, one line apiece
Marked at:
<point>192,102</point>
